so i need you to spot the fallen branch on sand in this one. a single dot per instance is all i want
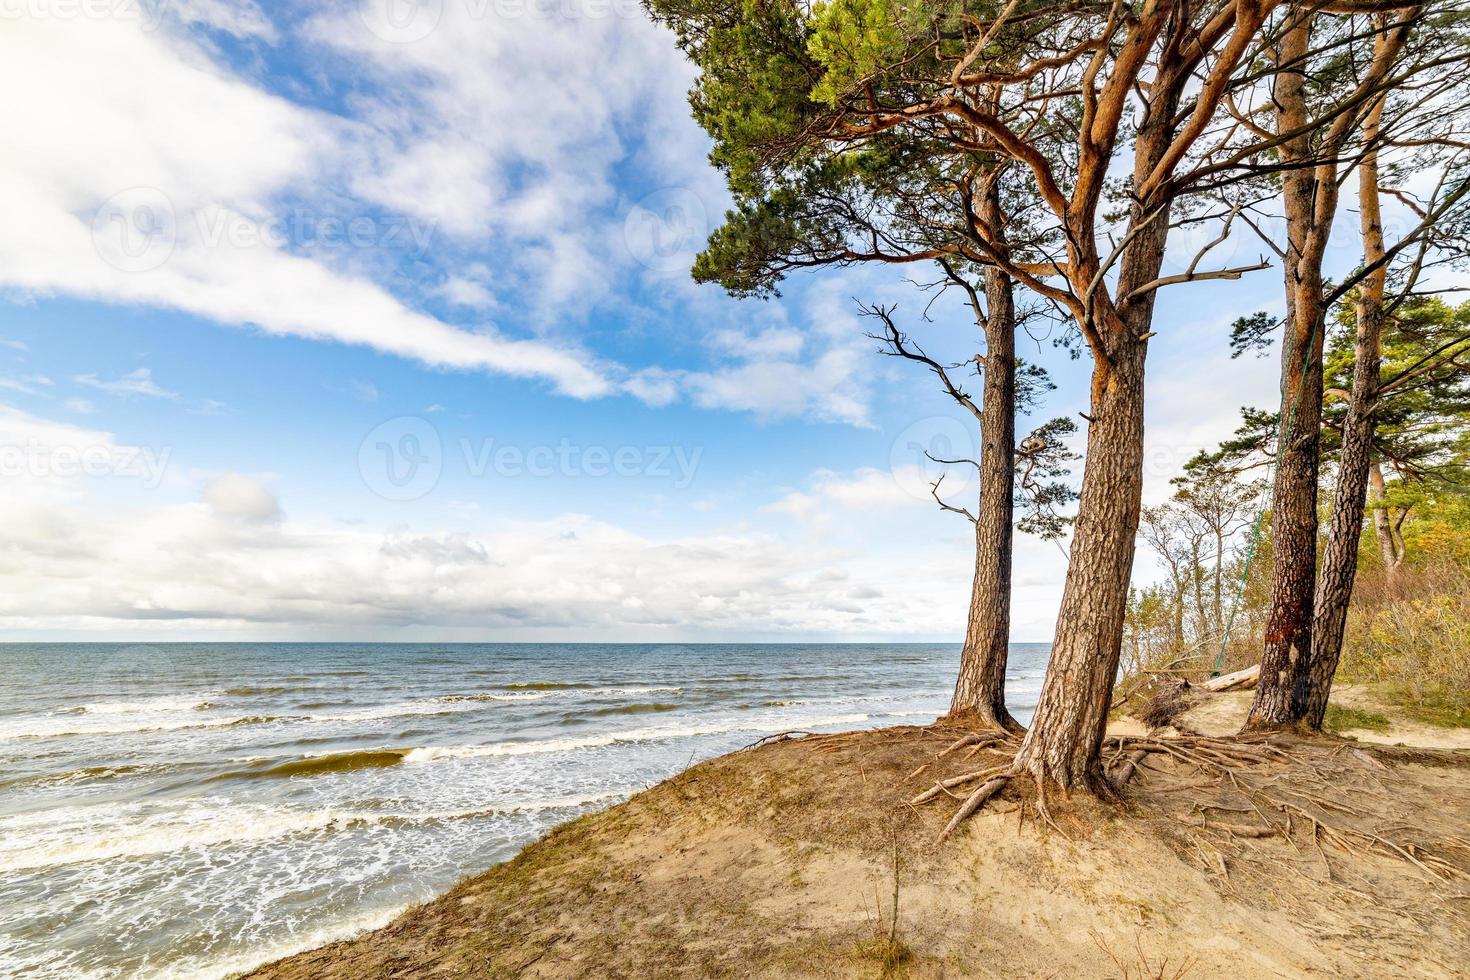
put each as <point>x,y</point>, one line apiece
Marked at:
<point>778,737</point>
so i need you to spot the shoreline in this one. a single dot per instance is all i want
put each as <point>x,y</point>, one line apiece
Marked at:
<point>778,860</point>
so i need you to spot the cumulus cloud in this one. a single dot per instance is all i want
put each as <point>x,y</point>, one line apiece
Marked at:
<point>509,121</point>
<point>500,146</point>
<point>240,497</point>
<point>465,292</point>
<point>227,558</point>
<point>775,371</point>
<point>864,489</point>
<point>44,460</point>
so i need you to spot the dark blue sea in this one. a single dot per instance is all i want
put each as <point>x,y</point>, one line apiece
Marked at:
<point>189,810</point>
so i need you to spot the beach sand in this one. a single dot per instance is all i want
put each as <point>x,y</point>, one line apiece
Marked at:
<point>782,861</point>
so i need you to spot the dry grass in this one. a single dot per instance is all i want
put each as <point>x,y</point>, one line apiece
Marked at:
<point>1415,650</point>
<point>1166,705</point>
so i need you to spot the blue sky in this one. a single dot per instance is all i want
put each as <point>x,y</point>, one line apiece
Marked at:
<point>257,255</point>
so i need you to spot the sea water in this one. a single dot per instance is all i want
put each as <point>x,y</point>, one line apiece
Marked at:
<point>189,810</point>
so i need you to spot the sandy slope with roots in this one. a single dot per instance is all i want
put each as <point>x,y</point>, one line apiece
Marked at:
<point>1293,858</point>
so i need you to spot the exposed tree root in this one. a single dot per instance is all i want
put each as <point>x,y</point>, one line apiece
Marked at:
<point>976,801</point>
<point>1267,787</point>
<point>778,737</point>
<point>975,742</point>
<point>1125,769</point>
<point>943,786</point>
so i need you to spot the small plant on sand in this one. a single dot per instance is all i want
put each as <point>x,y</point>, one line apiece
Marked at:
<point>891,955</point>
<point>885,947</point>
<point>1144,968</point>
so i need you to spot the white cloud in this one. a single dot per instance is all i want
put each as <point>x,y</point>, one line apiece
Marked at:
<point>507,122</point>
<point>865,489</point>
<point>27,385</point>
<point>221,556</point>
<point>654,386</point>
<point>146,173</point>
<point>239,18</point>
<point>465,292</point>
<point>241,497</point>
<point>139,382</point>
<point>1180,422</point>
<point>778,372</point>
<point>165,149</point>
<point>363,390</point>
<point>770,342</point>
<point>49,462</point>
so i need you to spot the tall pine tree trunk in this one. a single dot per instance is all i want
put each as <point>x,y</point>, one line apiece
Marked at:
<point>1063,745</point>
<point>1340,556</point>
<point>1310,191</point>
<point>979,694</point>
<point>1283,681</point>
<point>1066,734</point>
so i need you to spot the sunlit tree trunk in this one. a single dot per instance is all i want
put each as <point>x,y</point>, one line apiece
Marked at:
<point>1390,547</point>
<point>1065,739</point>
<point>979,694</point>
<point>1071,714</point>
<point>1310,188</point>
<point>1282,685</point>
<point>1340,556</point>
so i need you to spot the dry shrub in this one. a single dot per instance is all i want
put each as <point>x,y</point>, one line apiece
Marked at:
<point>1414,639</point>
<point>1166,705</point>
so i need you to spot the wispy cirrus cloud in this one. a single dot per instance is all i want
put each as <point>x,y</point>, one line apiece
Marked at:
<point>138,383</point>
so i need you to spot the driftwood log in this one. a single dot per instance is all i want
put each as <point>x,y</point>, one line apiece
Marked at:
<point>1240,680</point>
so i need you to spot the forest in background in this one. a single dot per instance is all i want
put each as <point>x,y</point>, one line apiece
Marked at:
<point>1407,628</point>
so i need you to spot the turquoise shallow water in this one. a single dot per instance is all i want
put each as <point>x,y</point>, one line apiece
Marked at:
<point>185,810</point>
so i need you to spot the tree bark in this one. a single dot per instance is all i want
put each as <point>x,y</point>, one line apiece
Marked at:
<point>1072,713</point>
<point>1294,495</point>
<point>1217,590</point>
<point>1340,556</point>
<point>979,694</point>
<point>1310,192</point>
<point>1063,744</point>
<point>1390,552</point>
